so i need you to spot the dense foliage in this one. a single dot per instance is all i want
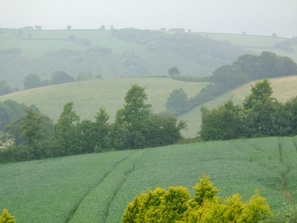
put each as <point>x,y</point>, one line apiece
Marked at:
<point>176,205</point>
<point>11,111</point>
<point>35,136</point>
<point>260,115</point>
<point>6,217</point>
<point>246,68</point>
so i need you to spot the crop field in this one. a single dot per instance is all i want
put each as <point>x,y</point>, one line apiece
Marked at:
<point>98,187</point>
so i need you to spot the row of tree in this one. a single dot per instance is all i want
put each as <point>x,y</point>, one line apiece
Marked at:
<point>259,115</point>
<point>36,136</point>
<point>246,68</point>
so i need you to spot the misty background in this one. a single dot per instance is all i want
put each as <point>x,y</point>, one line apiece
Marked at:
<point>254,17</point>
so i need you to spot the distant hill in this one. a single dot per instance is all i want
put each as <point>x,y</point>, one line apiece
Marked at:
<point>89,96</point>
<point>123,53</point>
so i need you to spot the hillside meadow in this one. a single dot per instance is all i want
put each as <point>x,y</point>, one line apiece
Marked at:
<point>89,96</point>
<point>98,187</point>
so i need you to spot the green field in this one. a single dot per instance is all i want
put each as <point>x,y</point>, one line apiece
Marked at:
<point>97,187</point>
<point>45,41</point>
<point>89,96</point>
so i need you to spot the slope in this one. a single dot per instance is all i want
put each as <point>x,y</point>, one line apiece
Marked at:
<point>97,187</point>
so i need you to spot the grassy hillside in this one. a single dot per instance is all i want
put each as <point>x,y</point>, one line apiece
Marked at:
<point>89,96</point>
<point>97,187</point>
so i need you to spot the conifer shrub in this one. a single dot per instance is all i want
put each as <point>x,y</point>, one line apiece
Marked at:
<point>176,205</point>
<point>6,217</point>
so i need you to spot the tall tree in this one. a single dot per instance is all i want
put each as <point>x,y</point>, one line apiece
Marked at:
<point>177,102</point>
<point>65,130</point>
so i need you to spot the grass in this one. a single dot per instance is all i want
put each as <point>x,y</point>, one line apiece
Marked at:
<point>98,187</point>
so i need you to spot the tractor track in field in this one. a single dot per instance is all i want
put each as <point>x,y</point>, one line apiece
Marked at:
<point>126,174</point>
<point>96,184</point>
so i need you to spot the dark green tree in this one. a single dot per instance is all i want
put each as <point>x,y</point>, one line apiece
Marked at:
<point>222,123</point>
<point>132,119</point>
<point>32,81</point>
<point>4,88</point>
<point>177,102</point>
<point>173,71</point>
<point>59,77</point>
<point>65,130</point>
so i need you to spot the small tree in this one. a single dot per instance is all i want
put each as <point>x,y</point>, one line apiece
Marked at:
<point>6,217</point>
<point>32,81</point>
<point>173,71</point>
<point>177,102</point>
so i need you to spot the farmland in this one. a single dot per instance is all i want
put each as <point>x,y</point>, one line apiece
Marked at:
<point>97,187</point>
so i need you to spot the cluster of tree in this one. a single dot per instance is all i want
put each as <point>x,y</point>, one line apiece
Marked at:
<point>176,205</point>
<point>11,111</point>
<point>194,54</point>
<point>260,115</point>
<point>36,136</point>
<point>57,77</point>
<point>246,68</point>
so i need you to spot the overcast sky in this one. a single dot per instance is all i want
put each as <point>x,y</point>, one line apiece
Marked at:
<point>259,17</point>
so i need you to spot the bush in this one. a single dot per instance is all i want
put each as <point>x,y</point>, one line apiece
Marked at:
<point>176,205</point>
<point>6,217</point>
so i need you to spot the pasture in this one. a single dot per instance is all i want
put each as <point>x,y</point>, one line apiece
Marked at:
<point>97,187</point>
<point>41,42</point>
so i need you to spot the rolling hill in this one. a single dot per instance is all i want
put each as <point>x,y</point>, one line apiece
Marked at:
<point>89,96</point>
<point>124,52</point>
<point>98,187</point>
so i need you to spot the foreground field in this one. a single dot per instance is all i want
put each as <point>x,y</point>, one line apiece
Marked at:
<point>97,187</point>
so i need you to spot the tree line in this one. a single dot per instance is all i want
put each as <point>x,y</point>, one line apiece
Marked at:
<point>245,69</point>
<point>259,115</point>
<point>35,136</point>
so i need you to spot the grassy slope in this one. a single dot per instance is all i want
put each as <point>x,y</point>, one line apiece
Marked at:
<point>97,187</point>
<point>89,96</point>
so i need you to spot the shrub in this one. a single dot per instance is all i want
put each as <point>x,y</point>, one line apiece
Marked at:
<point>176,205</point>
<point>6,217</point>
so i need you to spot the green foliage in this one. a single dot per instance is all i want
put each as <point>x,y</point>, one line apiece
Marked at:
<point>137,127</point>
<point>176,205</point>
<point>32,81</point>
<point>173,71</point>
<point>65,130</point>
<point>6,217</point>
<point>245,68</point>
<point>177,102</point>
<point>225,122</point>
<point>59,77</point>
<point>259,115</point>
<point>11,111</point>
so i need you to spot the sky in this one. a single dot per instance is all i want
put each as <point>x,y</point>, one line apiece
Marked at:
<point>256,17</point>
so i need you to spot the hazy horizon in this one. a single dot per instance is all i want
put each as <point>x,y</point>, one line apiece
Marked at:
<point>263,17</point>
